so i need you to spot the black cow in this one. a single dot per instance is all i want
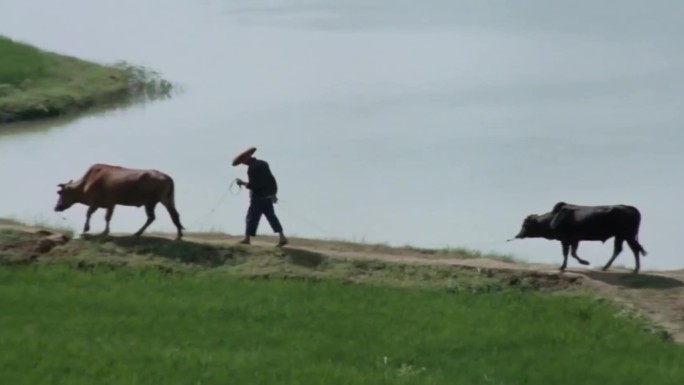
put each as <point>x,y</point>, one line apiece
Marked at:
<point>571,224</point>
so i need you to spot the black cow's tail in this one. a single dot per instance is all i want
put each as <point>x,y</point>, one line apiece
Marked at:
<point>636,235</point>
<point>641,249</point>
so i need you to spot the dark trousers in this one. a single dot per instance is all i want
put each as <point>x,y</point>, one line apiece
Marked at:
<point>258,206</point>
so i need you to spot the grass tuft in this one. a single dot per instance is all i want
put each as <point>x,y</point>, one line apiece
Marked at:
<point>19,62</point>
<point>41,221</point>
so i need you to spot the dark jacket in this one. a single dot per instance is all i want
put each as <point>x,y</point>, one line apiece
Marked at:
<point>261,182</point>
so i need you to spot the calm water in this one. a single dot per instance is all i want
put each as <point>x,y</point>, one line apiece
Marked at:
<point>435,123</point>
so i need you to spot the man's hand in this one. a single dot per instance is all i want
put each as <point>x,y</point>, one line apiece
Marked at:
<point>240,182</point>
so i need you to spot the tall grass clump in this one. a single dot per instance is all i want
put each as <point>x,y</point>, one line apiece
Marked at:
<point>19,62</point>
<point>142,326</point>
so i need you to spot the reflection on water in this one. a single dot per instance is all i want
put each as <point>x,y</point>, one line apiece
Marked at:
<point>435,124</point>
<point>27,129</point>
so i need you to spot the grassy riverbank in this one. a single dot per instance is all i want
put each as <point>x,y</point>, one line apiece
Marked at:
<point>120,310</point>
<point>38,84</point>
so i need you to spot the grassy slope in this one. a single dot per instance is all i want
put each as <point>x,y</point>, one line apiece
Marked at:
<point>19,247</point>
<point>156,311</point>
<point>140,326</point>
<point>38,84</point>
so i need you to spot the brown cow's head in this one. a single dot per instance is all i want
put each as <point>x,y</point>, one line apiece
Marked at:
<point>67,196</point>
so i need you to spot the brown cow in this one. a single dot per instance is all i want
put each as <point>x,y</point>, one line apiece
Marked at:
<point>105,186</point>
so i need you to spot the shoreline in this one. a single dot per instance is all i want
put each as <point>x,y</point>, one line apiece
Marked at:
<point>37,84</point>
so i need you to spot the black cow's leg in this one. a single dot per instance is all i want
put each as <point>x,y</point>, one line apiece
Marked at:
<point>634,245</point>
<point>566,248</point>
<point>89,213</point>
<point>617,249</point>
<point>108,218</point>
<point>149,210</point>
<point>573,248</point>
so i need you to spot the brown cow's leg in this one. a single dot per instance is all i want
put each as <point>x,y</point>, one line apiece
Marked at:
<point>573,248</point>
<point>175,217</point>
<point>89,213</point>
<point>108,218</point>
<point>149,209</point>
<point>617,249</point>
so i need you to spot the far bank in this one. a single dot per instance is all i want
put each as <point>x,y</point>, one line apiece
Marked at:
<point>38,84</point>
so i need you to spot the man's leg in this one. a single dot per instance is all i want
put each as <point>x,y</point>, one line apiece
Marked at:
<point>269,213</point>
<point>252,219</point>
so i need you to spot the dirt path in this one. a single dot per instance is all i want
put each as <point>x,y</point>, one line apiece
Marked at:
<point>659,295</point>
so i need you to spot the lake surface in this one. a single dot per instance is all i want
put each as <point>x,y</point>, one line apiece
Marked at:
<point>432,123</point>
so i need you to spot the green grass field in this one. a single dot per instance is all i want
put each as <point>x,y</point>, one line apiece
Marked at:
<point>61,325</point>
<point>38,84</point>
<point>117,310</point>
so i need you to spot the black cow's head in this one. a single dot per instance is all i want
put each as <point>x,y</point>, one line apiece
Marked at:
<point>533,226</point>
<point>67,196</point>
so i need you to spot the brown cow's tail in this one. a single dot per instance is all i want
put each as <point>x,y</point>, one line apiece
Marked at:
<point>171,198</point>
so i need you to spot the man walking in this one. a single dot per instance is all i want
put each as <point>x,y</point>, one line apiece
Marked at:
<point>263,189</point>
